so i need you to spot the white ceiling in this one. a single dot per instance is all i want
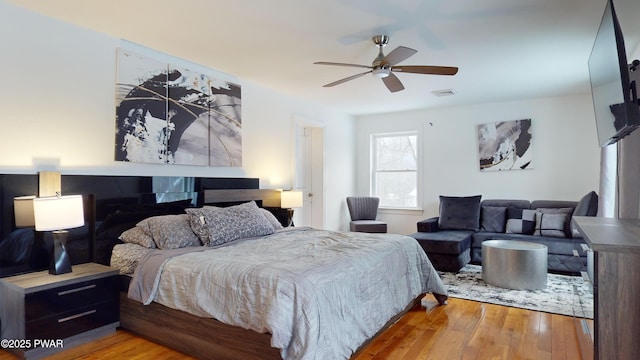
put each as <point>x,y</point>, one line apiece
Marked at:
<point>505,49</point>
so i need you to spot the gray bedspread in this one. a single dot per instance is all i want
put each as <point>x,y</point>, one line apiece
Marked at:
<point>320,293</point>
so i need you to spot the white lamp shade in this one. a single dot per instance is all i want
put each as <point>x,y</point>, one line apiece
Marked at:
<point>290,199</point>
<point>23,210</point>
<point>58,213</point>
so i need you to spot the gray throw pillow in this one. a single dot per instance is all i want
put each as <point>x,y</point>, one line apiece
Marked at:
<point>548,224</point>
<point>493,218</point>
<point>459,213</point>
<point>566,212</point>
<point>520,221</point>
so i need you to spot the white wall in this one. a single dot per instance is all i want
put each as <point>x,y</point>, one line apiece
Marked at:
<point>58,113</point>
<point>566,156</point>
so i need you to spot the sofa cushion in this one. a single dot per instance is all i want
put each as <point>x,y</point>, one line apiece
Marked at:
<point>587,206</point>
<point>459,213</point>
<point>520,221</point>
<point>493,218</point>
<point>368,226</point>
<point>521,204</point>
<point>444,242</point>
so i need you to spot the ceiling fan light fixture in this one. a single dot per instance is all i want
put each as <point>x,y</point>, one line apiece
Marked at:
<point>380,72</point>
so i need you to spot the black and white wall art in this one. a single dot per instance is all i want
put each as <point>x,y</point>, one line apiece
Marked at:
<point>169,114</point>
<point>505,145</point>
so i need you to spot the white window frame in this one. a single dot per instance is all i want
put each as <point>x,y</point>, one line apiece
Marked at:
<point>418,171</point>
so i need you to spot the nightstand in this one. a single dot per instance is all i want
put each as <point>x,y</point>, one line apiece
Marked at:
<point>41,313</point>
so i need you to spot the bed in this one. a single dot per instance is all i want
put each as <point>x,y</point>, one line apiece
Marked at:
<point>115,204</point>
<point>260,292</point>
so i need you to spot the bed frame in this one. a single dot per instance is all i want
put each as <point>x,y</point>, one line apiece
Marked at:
<point>192,335</point>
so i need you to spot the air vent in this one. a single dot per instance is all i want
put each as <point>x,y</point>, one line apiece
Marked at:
<point>445,92</point>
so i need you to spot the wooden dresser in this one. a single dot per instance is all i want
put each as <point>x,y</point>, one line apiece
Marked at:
<point>42,313</point>
<point>616,285</point>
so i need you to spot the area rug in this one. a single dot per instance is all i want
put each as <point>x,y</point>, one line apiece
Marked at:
<point>565,295</point>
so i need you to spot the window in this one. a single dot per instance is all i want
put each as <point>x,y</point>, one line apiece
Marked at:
<point>395,169</point>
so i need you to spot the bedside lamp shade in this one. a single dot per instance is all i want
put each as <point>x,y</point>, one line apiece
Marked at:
<point>23,210</point>
<point>291,199</point>
<point>58,213</point>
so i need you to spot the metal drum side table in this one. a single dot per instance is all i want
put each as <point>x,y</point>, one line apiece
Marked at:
<point>513,264</point>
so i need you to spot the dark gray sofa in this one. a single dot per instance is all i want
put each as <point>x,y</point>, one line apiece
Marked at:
<point>455,237</point>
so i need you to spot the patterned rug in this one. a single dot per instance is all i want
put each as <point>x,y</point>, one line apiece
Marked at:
<point>558,298</point>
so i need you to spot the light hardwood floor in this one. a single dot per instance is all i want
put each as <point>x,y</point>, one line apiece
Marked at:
<point>460,330</point>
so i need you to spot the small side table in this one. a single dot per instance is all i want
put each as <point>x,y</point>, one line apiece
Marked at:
<point>43,313</point>
<point>513,264</point>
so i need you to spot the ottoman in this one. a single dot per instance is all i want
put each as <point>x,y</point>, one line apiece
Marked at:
<point>448,251</point>
<point>514,264</point>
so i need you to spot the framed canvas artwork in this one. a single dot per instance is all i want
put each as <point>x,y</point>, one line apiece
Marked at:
<point>505,145</point>
<point>170,114</point>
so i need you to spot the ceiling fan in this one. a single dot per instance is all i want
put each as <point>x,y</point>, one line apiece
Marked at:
<point>384,66</point>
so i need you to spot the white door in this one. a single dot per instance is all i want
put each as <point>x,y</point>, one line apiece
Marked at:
<point>309,173</point>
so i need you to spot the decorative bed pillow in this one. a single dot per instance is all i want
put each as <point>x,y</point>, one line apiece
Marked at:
<point>136,235</point>
<point>493,218</point>
<point>125,257</point>
<point>231,223</point>
<point>549,224</point>
<point>170,231</point>
<point>198,223</point>
<point>459,213</point>
<point>520,221</point>
<point>271,218</point>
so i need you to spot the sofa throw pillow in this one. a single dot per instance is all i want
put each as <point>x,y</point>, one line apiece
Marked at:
<point>587,206</point>
<point>170,231</point>
<point>520,221</point>
<point>549,224</point>
<point>493,218</point>
<point>459,213</point>
<point>563,211</point>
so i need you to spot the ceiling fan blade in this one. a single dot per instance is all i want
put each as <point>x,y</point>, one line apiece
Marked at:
<point>341,64</point>
<point>347,79</point>
<point>430,70</point>
<point>393,83</point>
<point>399,54</point>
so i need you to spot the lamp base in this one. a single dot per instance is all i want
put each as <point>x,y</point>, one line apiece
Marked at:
<point>290,217</point>
<point>59,261</point>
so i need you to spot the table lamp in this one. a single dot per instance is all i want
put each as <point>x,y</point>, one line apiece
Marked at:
<point>56,214</point>
<point>289,200</point>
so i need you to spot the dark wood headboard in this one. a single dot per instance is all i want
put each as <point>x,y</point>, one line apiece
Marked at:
<point>102,195</point>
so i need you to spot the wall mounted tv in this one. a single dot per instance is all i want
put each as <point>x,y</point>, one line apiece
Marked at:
<point>613,82</point>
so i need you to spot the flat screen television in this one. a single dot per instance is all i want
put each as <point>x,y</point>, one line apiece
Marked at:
<point>613,82</point>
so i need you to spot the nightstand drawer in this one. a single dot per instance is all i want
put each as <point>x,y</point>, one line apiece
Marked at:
<point>58,301</point>
<point>74,322</point>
